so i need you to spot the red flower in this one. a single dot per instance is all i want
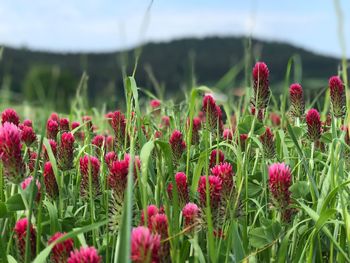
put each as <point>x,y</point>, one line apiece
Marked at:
<point>261,85</point>
<point>261,113</point>
<point>215,186</point>
<point>151,210</point>
<point>338,96</point>
<point>144,245</point>
<point>27,123</point>
<point>243,140</point>
<point>196,126</point>
<point>178,145</point>
<point>268,143</point>
<point>313,122</point>
<point>279,183</point>
<point>296,100</point>
<point>155,104</point>
<point>27,182</point>
<point>66,151</point>
<point>89,165</point>
<point>10,152</point>
<point>28,135</point>
<point>85,255</point>
<point>50,181</point>
<point>213,114</point>
<point>118,124</point>
<point>165,122</point>
<point>190,214</point>
<point>275,119</point>
<point>61,251</point>
<point>228,134</point>
<point>64,125</point>
<point>11,116</point>
<point>109,143</point>
<point>51,129</point>
<point>118,175</point>
<point>88,121</point>
<point>53,146</point>
<point>32,160</point>
<point>20,237</point>
<point>54,116</point>
<point>79,135</point>
<point>110,157</point>
<point>182,187</point>
<point>225,173</point>
<point>216,156</point>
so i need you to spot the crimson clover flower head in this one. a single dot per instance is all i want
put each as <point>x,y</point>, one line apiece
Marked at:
<point>225,172</point>
<point>61,251</point>
<point>215,186</point>
<point>279,183</point>
<point>314,125</point>
<point>89,165</point>
<point>144,245</point>
<point>28,135</point>
<point>216,155</point>
<point>338,96</point>
<point>66,151</point>
<point>85,254</point>
<point>155,104</point>
<point>261,85</point>
<point>20,231</point>
<point>190,213</point>
<point>64,125</point>
<point>52,128</point>
<point>177,144</point>
<point>213,113</point>
<point>50,181</point>
<point>27,182</point>
<point>296,97</point>
<point>9,115</point>
<point>268,142</point>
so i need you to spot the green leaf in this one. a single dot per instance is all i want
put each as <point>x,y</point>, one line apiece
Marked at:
<point>15,203</point>
<point>300,189</point>
<point>3,210</point>
<point>245,126</point>
<point>326,137</point>
<point>262,236</point>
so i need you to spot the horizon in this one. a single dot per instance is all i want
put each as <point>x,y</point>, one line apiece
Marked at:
<point>91,26</point>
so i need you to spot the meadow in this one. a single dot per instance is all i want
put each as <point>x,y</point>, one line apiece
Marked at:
<point>249,178</point>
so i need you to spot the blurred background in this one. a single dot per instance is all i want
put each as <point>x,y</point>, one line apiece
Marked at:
<point>47,45</point>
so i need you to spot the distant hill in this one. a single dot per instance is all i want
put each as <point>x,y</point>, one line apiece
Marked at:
<point>25,70</point>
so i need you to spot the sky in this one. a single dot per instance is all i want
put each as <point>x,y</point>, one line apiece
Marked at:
<point>106,25</point>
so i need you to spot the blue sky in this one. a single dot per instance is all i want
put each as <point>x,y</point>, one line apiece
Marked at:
<point>104,25</point>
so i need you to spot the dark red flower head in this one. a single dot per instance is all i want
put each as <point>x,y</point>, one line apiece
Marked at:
<point>215,186</point>
<point>64,125</point>
<point>177,144</point>
<point>27,123</point>
<point>20,231</point>
<point>216,157</point>
<point>86,255</point>
<point>151,210</point>
<point>144,245</point>
<point>261,85</point>
<point>182,187</point>
<point>66,151</point>
<point>196,126</point>
<point>155,104</point>
<point>190,214</point>
<point>118,124</point>
<point>296,100</point>
<point>89,165</point>
<point>61,251</point>
<point>10,152</point>
<point>50,181</point>
<point>11,116</point>
<point>225,172</point>
<point>28,135</point>
<point>165,122</point>
<point>279,183</point>
<point>52,128</point>
<point>213,113</point>
<point>228,134</point>
<point>338,96</point>
<point>54,116</point>
<point>314,126</point>
<point>110,157</point>
<point>53,146</point>
<point>268,143</point>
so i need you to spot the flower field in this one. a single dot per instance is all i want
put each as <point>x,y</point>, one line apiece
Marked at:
<point>252,178</point>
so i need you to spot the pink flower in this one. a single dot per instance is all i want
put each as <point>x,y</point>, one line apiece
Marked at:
<point>118,124</point>
<point>213,114</point>
<point>118,175</point>
<point>60,251</point>
<point>144,245</point>
<point>20,231</point>
<point>28,135</point>
<point>261,86</point>
<point>196,126</point>
<point>51,129</point>
<point>110,157</point>
<point>28,123</point>
<point>225,173</point>
<point>64,125</point>
<point>50,181</point>
<point>54,116</point>
<point>338,96</point>
<point>85,255</point>
<point>109,143</point>
<point>313,122</point>
<point>32,160</point>
<point>89,165</point>
<point>190,214</point>
<point>160,225</point>
<point>155,104</point>
<point>98,141</point>
<point>216,156</point>
<point>66,151</point>
<point>182,187</point>
<point>228,134</point>
<point>215,186</point>
<point>79,135</point>
<point>296,100</point>
<point>275,119</point>
<point>165,122</point>
<point>10,152</point>
<point>268,142</point>
<point>11,116</point>
<point>27,182</point>
<point>178,145</point>
<point>279,183</point>
<point>151,210</point>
